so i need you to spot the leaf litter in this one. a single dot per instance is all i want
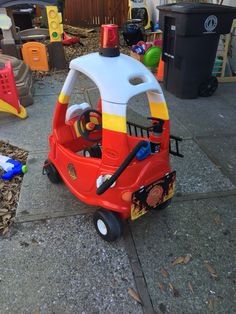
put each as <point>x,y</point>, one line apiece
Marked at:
<point>211,270</point>
<point>164,272</point>
<point>161,285</point>
<point>134,295</point>
<point>211,304</point>
<point>190,287</point>
<point>182,260</point>
<point>175,292</point>
<point>10,190</point>
<point>217,219</point>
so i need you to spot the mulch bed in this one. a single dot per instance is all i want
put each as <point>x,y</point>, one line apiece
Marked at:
<point>90,42</point>
<point>10,190</point>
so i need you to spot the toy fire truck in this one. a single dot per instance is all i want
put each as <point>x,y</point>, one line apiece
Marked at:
<point>104,159</point>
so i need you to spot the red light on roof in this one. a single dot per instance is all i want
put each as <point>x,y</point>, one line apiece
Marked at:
<point>109,36</point>
<point>109,40</point>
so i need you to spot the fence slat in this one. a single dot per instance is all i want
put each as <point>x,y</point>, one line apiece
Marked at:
<point>95,12</point>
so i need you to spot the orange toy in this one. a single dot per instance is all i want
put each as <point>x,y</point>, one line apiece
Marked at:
<point>9,101</point>
<point>160,71</point>
<point>35,55</point>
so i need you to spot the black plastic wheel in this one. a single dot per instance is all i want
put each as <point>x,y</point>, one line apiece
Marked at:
<point>93,151</point>
<point>108,224</point>
<point>208,88</point>
<point>51,171</point>
<point>163,205</point>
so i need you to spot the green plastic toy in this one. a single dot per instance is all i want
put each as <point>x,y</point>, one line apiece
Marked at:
<point>152,56</point>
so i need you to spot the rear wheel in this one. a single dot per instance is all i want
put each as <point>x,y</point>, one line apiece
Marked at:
<point>208,87</point>
<point>51,172</point>
<point>108,225</point>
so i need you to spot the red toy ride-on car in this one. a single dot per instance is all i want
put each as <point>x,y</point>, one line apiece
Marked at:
<point>105,160</point>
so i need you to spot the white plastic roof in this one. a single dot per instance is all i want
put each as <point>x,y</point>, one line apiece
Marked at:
<point>112,75</point>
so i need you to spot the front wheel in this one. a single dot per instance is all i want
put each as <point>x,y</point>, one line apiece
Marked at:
<point>108,225</point>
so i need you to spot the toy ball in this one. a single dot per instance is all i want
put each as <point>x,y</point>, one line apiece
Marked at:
<point>152,56</point>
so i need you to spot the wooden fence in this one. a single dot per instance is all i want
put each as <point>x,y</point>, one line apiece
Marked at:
<point>95,12</point>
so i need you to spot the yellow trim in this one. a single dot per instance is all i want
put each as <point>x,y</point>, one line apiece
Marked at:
<point>64,99</point>
<point>159,110</point>
<point>149,20</point>
<point>23,113</point>
<point>92,119</point>
<point>76,128</point>
<point>148,25</point>
<point>113,122</point>
<point>5,107</point>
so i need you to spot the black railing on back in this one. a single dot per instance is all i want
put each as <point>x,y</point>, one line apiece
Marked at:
<point>175,152</point>
<point>144,131</point>
<point>139,130</point>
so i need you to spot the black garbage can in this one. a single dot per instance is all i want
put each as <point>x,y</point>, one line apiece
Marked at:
<point>191,34</point>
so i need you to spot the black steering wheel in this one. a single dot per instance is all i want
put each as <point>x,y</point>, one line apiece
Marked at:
<point>87,127</point>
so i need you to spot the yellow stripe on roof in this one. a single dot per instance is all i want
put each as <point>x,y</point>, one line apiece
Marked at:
<point>159,110</point>
<point>113,122</point>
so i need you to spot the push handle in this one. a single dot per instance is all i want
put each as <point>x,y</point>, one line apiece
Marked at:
<point>158,125</point>
<point>105,185</point>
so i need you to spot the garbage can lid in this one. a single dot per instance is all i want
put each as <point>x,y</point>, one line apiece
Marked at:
<point>197,8</point>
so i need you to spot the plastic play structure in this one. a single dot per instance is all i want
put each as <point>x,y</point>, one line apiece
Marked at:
<point>9,101</point>
<point>23,78</point>
<point>104,159</point>
<point>11,3</point>
<point>10,34</point>
<point>34,54</point>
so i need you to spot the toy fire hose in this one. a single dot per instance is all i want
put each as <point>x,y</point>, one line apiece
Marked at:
<point>11,167</point>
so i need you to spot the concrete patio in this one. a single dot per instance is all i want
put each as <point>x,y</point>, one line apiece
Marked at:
<point>54,262</point>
